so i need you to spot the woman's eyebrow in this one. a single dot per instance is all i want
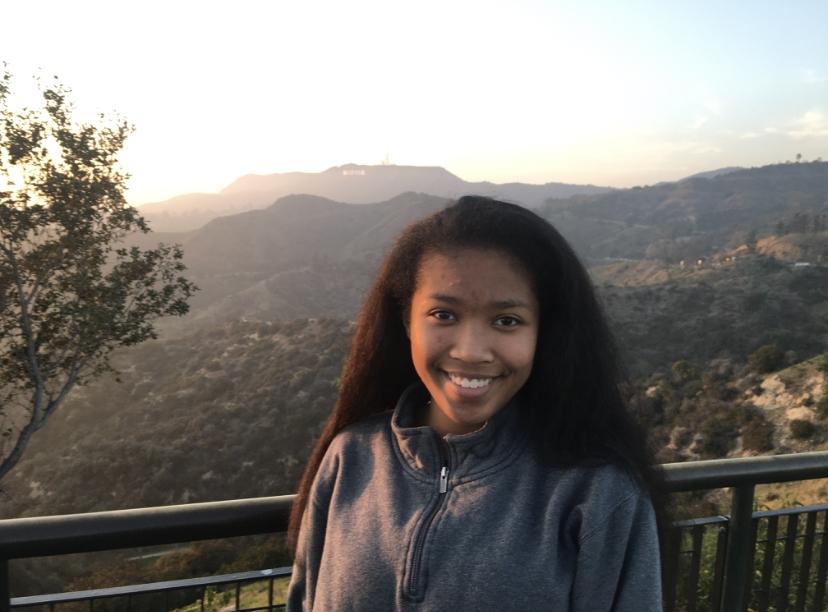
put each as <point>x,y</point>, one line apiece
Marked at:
<point>507,303</point>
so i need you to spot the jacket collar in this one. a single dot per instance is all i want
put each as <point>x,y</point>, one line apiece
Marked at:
<point>466,455</point>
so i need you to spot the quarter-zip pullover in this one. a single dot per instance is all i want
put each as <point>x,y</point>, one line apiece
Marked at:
<point>399,518</point>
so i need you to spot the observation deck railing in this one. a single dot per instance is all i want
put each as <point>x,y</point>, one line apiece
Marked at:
<point>772,560</point>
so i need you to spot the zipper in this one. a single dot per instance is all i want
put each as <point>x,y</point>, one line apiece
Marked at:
<point>444,479</point>
<point>419,542</point>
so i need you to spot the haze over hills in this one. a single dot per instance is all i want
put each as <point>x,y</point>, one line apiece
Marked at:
<point>351,183</point>
<point>307,256</point>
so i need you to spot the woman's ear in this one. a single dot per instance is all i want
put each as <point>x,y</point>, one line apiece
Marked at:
<point>407,325</point>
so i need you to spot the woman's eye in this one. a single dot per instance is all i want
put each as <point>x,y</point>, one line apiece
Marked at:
<point>442,315</point>
<point>507,321</point>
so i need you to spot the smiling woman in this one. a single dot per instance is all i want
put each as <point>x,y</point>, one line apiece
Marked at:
<point>480,455</point>
<point>473,328</point>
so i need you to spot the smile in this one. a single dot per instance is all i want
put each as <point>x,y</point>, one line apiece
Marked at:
<point>469,383</point>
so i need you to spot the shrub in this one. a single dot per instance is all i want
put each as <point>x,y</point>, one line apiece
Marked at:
<point>684,371</point>
<point>718,433</point>
<point>802,429</point>
<point>822,407</point>
<point>766,359</point>
<point>757,435</point>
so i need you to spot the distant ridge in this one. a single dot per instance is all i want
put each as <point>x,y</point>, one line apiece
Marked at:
<point>714,173</point>
<point>350,183</point>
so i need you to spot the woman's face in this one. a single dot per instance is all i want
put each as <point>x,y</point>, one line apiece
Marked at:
<point>473,328</point>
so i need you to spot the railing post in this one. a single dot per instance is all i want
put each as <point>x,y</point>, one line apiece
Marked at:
<point>737,573</point>
<point>5,597</point>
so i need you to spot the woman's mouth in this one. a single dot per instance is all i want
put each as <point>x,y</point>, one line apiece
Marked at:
<point>469,383</point>
<point>469,386</point>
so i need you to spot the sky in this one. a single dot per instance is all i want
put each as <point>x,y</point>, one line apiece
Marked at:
<point>603,92</point>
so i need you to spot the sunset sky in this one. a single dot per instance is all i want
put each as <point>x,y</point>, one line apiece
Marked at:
<point>619,93</point>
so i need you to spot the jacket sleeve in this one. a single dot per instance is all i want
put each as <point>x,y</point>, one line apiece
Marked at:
<point>618,567</point>
<point>310,543</point>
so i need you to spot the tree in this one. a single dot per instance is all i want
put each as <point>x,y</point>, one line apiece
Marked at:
<point>71,291</point>
<point>766,359</point>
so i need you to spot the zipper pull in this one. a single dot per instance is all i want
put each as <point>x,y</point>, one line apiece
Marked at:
<point>444,479</point>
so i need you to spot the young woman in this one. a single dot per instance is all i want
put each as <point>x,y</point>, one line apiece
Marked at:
<point>480,456</point>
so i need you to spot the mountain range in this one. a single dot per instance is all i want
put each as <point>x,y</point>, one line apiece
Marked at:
<point>306,256</point>
<point>351,183</point>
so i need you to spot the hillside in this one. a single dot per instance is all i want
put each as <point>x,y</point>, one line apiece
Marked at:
<point>723,311</point>
<point>694,217</point>
<point>351,183</point>
<point>223,413</point>
<point>302,256</point>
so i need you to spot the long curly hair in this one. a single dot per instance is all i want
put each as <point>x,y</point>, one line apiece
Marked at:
<point>574,407</point>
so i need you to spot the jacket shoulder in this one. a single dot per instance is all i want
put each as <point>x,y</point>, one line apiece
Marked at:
<point>349,454</point>
<point>358,439</point>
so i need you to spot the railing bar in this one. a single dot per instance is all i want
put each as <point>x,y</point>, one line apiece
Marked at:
<point>203,595</point>
<point>707,520</point>
<point>719,473</point>
<point>671,567</point>
<point>736,575</point>
<point>238,593</point>
<point>718,571</point>
<point>767,565</point>
<point>792,510</point>
<point>787,562</point>
<point>751,574</point>
<point>819,595</point>
<point>41,536</point>
<point>151,587</point>
<point>270,595</point>
<point>5,596</point>
<point>805,563</point>
<point>695,562</point>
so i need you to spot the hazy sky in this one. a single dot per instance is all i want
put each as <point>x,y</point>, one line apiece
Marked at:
<point>619,93</point>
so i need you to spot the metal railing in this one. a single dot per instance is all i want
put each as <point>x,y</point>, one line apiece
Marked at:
<point>128,596</point>
<point>742,476</point>
<point>736,539</point>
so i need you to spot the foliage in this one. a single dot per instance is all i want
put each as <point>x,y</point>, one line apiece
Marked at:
<point>70,293</point>
<point>718,434</point>
<point>822,363</point>
<point>822,407</point>
<point>757,432</point>
<point>684,371</point>
<point>802,429</point>
<point>767,358</point>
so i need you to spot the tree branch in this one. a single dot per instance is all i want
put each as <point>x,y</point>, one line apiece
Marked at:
<point>17,452</point>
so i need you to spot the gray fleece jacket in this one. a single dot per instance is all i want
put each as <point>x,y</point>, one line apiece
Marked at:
<point>401,519</point>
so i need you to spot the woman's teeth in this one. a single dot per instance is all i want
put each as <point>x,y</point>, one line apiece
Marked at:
<point>469,383</point>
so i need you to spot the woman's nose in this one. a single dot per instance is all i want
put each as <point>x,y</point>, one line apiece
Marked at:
<point>471,344</point>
